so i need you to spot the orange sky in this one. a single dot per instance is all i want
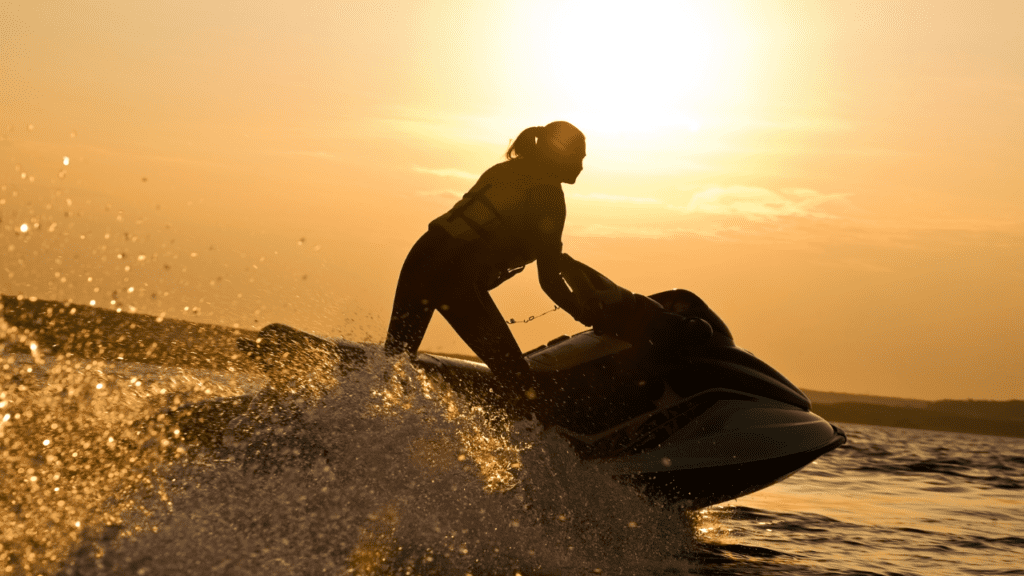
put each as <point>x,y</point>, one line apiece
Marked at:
<point>842,182</point>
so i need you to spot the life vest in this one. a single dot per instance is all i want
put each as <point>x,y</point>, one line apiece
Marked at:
<point>496,218</point>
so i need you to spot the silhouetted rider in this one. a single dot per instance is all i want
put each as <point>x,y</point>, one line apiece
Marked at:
<point>512,216</point>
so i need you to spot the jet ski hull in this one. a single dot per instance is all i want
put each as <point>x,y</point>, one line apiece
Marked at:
<point>706,486</point>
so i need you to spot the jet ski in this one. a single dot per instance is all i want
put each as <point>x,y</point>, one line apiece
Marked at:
<point>656,395</point>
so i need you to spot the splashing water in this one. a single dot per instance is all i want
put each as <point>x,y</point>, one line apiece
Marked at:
<point>406,477</point>
<point>71,457</point>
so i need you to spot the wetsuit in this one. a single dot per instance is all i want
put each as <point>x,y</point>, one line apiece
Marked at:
<point>511,217</point>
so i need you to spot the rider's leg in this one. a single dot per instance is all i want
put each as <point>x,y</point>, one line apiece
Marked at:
<point>472,313</point>
<point>415,299</point>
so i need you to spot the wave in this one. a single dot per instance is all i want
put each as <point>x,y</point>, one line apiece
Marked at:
<point>406,476</point>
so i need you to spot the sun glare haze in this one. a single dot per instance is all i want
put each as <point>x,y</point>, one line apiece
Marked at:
<point>649,69</point>
<point>840,181</point>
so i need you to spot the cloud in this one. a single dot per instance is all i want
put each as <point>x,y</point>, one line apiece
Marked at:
<point>308,153</point>
<point>932,233</point>
<point>614,198</point>
<point>790,124</point>
<point>446,172</point>
<point>439,127</point>
<point>596,230</point>
<point>762,204</point>
<point>161,158</point>
<point>446,193</point>
<point>727,213</point>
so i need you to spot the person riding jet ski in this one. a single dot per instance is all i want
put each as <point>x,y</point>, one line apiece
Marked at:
<point>512,216</point>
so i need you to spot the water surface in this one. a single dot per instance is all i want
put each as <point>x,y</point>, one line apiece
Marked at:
<point>393,475</point>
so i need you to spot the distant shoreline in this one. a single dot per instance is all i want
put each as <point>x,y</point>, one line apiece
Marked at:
<point>998,418</point>
<point>920,419</point>
<point>93,332</point>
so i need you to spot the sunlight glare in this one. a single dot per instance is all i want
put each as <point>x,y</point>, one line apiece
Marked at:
<point>634,68</point>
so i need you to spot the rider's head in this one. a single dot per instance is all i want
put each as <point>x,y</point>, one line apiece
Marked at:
<point>559,146</point>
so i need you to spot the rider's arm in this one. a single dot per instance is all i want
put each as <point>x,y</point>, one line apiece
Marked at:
<point>549,274</point>
<point>545,241</point>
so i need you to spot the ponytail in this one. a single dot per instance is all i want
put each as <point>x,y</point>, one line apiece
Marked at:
<point>525,145</point>
<point>556,142</point>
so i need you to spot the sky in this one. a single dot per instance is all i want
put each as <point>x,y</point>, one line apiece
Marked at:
<point>842,182</point>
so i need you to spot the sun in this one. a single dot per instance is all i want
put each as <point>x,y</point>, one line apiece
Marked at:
<point>628,67</point>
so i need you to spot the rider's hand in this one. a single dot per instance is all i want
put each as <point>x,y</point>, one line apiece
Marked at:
<point>583,316</point>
